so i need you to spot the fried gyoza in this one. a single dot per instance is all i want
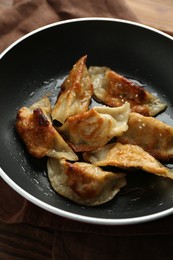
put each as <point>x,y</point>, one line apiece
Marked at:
<point>75,94</point>
<point>94,128</point>
<point>138,138</point>
<point>151,134</point>
<point>84,183</point>
<point>41,138</point>
<point>114,90</point>
<point>127,156</point>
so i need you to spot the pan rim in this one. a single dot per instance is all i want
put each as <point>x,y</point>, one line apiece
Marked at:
<point>83,20</point>
<point>81,218</point>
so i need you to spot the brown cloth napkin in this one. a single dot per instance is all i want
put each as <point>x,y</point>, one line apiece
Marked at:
<point>34,233</point>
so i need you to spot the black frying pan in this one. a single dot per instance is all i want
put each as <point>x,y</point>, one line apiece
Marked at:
<point>37,64</point>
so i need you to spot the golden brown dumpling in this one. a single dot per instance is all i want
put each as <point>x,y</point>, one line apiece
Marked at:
<point>75,94</point>
<point>94,128</point>
<point>114,90</point>
<point>84,183</point>
<point>36,130</point>
<point>151,134</point>
<point>127,156</point>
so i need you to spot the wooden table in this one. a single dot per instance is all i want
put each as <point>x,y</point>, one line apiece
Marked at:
<point>155,13</point>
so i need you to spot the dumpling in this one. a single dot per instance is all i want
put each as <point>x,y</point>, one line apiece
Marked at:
<point>75,94</point>
<point>114,90</point>
<point>41,138</point>
<point>45,105</point>
<point>94,128</point>
<point>84,183</point>
<point>151,134</point>
<point>127,156</point>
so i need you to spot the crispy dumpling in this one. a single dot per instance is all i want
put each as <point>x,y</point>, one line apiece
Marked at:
<point>45,105</point>
<point>114,90</point>
<point>41,138</point>
<point>127,156</point>
<point>94,128</point>
<point>75,94</point>
<point>151,134</point>
<point>84,183</point>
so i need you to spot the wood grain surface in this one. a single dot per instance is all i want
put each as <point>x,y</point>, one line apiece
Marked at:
<point>155,13</point>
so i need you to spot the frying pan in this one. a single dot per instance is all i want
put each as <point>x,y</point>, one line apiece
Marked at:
<point>36,65</point>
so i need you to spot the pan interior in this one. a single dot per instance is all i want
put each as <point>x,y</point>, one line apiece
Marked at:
<point>37,66</point>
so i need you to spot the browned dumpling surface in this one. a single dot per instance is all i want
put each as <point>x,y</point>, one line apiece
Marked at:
<point>151,134</point>
<point>92,129</point>
<point>75,94</point>
<point>84,183</point>
<point>140,139</point>
<point>127,156</point>
<point>114,90</point>
<point>36,130</point>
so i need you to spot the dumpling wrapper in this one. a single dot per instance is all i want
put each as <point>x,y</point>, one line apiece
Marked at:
<point>94,128</point>
<point>84,183</point>
<point>40,137</point>
<point>45,105</point>
<point>75,94</point>
<point>114,90</point>
<point>151,134</point>
<point>127,156</point>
